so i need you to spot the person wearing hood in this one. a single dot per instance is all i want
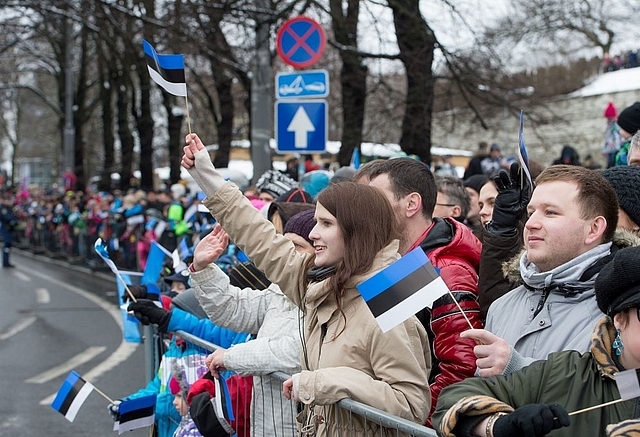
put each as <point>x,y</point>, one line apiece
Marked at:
<point>572,218</point>
<point>568,156</point>
<point>536,400</point>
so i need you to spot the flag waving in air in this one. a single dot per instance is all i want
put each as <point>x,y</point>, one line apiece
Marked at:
<point>72,394</point>
<point>135,413</point>
<point>166,70</point>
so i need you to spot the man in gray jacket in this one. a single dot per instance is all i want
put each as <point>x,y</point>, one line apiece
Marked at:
<point>573,214</point>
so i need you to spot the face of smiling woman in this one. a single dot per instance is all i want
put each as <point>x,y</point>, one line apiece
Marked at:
<point>327,238</point>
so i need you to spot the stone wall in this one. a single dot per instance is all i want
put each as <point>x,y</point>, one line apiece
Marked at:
<point>578,122</point>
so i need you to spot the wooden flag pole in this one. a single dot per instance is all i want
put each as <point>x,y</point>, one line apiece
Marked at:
<point>595,407</point>
<point>100,392</point>
<point>460,308</point>
<point>186,101</point>
<point>133,298</point>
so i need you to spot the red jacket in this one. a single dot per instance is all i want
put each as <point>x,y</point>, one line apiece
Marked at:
<point>455,251</point>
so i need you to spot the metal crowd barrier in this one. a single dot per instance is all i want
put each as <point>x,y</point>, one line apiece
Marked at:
<point>388,424</point>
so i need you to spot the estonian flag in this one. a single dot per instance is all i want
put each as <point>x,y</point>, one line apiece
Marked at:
<point>72,394</point>
<point>402,289</point>
<point>628,383</point>
<point>136,413</point>
<point>101,250</point>
<point>166,70</point>
<point>523,156</point>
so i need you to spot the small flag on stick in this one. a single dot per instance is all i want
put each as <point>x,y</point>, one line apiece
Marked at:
<point>166,70</point>
<point>402,289</point>
<point>102,251</point>
<point>523,156</point>
<point>72,394</point>
<point>628,383</point>
<point>136,413</point>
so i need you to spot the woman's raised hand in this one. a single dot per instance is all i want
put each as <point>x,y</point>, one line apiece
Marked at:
<point>209,249</point>
<point>193,146</point>
<point>202,171</point>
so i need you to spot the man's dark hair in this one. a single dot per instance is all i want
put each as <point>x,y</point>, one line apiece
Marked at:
<point>410,176</point>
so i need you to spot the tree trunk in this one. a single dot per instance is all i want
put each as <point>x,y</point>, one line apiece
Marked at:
<point>144,123</point>
<point>225,122</point>
<point>416,42</point>
<point>353,77</point>
<point>124,133</point>
<point>176,142</point>
<point>106,99</point>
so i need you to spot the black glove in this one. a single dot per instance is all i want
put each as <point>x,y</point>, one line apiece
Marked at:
<point>514,194</point>
<point>148,312</point>
<point>533,420</point>
<point>114,409</point>
<point>138,291</point>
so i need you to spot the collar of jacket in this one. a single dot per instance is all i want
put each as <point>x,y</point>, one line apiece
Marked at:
<point>601,346</point>
<point>441,234</point>
<point>318,292</point>
<point>621,238</point>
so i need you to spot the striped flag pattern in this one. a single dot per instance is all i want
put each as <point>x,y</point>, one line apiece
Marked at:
<point>402,289</point>
<point>72,394</point>
<point>136,413</point>
<point>166,70</point>
<point>523,156</point>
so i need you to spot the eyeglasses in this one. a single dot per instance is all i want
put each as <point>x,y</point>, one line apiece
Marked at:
<point>638,313</point>
<point>446,204</point>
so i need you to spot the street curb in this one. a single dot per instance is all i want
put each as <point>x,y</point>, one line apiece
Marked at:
<point>62,263</point>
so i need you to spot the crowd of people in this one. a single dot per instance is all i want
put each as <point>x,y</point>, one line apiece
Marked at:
<point>542,311</point>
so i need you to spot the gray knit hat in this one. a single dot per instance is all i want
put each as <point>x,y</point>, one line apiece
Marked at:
<point>625,180</point>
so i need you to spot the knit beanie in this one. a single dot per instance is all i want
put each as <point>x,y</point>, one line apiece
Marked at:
<point>629,118</point>
<point>301,224</point>
<point>178,382</point>
<point>625,180</point>
<point>275,183</point>
<point>610,111</point>
<point>617,286</point>
<point>475,182</point>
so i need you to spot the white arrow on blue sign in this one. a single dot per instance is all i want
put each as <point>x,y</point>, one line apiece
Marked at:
<point>301,126</point>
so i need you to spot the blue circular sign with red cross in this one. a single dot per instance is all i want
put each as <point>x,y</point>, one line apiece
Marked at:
<point>301,42</point>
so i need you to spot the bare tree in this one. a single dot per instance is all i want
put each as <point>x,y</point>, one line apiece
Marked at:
<point>567,25</point>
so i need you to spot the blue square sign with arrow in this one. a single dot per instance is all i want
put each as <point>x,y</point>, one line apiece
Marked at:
<point>301,126</point>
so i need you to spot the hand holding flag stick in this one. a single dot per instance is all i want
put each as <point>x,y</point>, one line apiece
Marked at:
<point>102,251</point>
<point>168,72</point>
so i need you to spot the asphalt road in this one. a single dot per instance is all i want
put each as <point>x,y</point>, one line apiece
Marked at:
<point>55,318</point>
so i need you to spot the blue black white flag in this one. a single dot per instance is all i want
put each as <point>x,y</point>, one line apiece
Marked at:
<point>72,394</point>
<point>628,383</point>
<point>155,262</point>
<point>101,250</point>
<point>402,289</point>
<point>523,156</point>
<point>166,70</point>
<point>136,413</point>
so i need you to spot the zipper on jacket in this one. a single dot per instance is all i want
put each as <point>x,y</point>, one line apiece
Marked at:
<point>545,295</point>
